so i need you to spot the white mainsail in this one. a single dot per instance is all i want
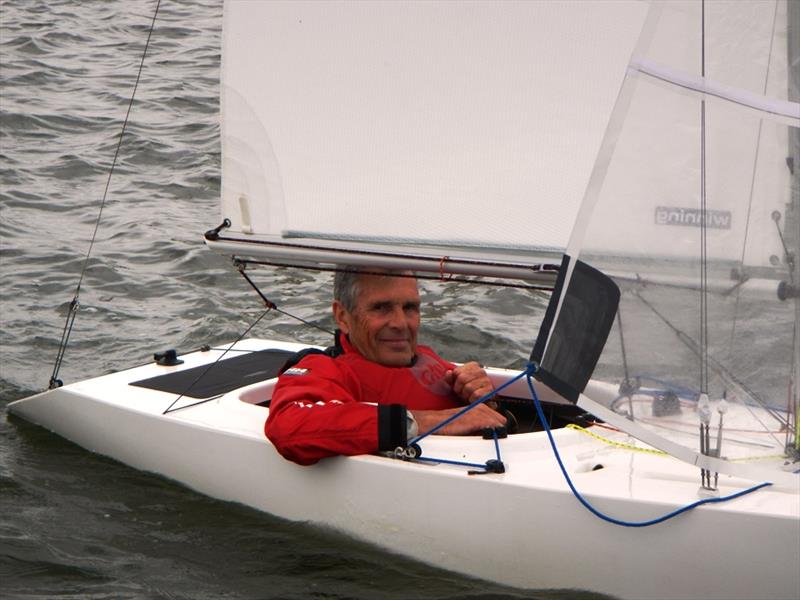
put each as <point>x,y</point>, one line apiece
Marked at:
<point>393,127</point>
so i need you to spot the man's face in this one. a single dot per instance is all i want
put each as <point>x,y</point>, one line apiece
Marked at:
<point>383,326</point>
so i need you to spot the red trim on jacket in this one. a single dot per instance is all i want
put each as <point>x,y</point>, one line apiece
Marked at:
<point>323,406</point>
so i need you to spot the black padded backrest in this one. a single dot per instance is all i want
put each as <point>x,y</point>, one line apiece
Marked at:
<point>575,343</point>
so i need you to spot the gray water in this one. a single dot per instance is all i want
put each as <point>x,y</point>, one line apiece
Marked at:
<point>77,525</point>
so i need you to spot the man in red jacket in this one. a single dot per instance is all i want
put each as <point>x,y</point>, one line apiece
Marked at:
<point>376,388</point>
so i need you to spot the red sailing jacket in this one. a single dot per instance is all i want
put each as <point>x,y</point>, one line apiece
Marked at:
<point>324,406</point>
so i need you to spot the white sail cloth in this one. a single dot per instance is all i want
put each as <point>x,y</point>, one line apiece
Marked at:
<point>695,196</point>
<point>424,123</point>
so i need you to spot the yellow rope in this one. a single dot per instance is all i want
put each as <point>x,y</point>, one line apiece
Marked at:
<point>613,443</point>
<point>656,452</point>
<point>748,458</point>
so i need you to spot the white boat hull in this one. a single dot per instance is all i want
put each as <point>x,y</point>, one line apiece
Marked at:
<point>522,528</point>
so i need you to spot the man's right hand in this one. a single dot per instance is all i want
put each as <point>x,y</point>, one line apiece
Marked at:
<point>473,421</point>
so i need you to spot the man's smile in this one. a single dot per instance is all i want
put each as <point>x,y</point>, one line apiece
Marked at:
<point>400,343</point>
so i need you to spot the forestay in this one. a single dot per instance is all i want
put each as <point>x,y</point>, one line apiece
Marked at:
<point>693,209</point>
<point>443,136</point>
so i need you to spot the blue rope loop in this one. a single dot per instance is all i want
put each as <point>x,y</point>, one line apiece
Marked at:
<point>608,518</point>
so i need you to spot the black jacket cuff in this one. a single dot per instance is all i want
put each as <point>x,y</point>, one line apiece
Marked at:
<point>392,426</point>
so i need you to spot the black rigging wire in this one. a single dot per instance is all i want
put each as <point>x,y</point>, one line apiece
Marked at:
<point>628,387</point>
<point>724,372</point>
<point>210,366</point>
<point>622,345</point>
<point>788,256</point>
<point>73,307</point>
<point>742,274</point>
<point>271,305</point>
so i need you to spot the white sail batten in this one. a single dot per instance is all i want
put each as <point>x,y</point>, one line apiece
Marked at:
<point>399,124</point>
<point>770,106</point>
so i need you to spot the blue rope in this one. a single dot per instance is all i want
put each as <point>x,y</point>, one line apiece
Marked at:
<point>496,443</point>
<point>451,462</point>
<point>458,414</point>
<point>464,463</point>
<point>529,371</point>
<point>470,406</point>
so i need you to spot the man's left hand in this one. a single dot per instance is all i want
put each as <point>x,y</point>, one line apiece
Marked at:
<point>469,381</point>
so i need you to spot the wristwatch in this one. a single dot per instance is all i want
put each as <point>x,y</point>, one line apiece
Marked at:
<point>412,429</point>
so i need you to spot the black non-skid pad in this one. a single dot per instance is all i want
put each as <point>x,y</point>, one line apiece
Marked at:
<point>218,378</point>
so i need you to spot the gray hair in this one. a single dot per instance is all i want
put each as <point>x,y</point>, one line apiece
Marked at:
<point>346,283</point>
<point>345,288</point>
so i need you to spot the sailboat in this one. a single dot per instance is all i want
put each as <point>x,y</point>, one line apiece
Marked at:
<point>636,161</point>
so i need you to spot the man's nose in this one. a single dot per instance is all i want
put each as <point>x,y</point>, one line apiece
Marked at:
<point>397,317</point>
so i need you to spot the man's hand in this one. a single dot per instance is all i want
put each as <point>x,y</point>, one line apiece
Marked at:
<point>473,421</point>
<point>469,381</point>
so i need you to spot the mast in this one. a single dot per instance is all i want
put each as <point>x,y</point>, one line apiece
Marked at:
<point>704,411</point>
<point>793,209</point>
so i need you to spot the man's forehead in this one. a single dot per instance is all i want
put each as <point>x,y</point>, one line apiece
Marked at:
<point>387,285</point>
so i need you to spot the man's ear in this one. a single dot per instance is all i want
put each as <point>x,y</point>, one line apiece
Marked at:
<point>341,316</point>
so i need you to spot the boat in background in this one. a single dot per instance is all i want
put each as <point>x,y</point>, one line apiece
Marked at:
<point>630,158</point>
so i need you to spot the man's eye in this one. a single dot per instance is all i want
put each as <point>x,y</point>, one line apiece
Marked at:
<point>411,308</point>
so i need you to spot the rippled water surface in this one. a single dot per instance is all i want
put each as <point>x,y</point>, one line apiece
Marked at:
<point>77,525</point>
